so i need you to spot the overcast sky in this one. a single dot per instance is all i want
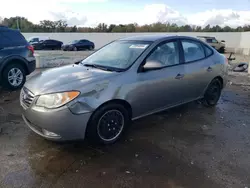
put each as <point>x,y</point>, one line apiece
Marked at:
<point>92,12</point>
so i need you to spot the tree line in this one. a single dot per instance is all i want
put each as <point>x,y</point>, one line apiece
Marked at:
<point>25,25</point>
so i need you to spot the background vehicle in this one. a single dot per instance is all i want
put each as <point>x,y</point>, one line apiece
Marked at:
<point>48,45</point>
<point>79,45</point>
<point>16,58</point>
<point>37,39</point>
<point>125,80</point>
<point>212,41</point>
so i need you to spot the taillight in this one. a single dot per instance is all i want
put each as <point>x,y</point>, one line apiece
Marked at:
<point>31,48</point>
<point>226,61</point>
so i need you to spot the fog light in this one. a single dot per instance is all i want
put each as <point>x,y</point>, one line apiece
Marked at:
<point>51,134</point>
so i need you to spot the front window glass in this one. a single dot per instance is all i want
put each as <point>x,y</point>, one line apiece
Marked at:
<point>167,54</point>
<point>118,54</point>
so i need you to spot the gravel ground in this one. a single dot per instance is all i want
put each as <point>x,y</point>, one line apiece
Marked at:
<point>186,147</point>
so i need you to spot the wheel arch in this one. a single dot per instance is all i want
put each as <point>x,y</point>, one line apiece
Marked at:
<point>13,60</point>
<point>220,79</point>
<point>215,78</point>
<point>118,101</point>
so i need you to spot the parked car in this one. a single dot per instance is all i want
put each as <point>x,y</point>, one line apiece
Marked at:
<point>212,41</point>
<point>79,45</point>
<point>16,58</point>
<point>48,45</point>
<point>37,39</point>
<point>125,80</point>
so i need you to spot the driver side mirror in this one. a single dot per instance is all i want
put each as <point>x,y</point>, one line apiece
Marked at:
<point>151,65</point>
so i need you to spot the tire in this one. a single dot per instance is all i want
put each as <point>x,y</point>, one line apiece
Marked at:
<point>75,49</point>
<point>97,126</point>
<point>91,48</point>
<point>15,83</point>
<point>213,93</point>
<point>222,50</point>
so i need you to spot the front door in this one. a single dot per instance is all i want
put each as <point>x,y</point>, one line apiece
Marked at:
<point>162,88</point>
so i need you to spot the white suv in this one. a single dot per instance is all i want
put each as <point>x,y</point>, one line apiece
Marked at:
<point>212,41</point>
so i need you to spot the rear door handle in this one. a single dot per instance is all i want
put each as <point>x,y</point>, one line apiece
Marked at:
<point>209,69</point>
<point>179,76</point>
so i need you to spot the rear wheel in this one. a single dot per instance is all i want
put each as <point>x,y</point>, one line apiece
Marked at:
<point>213,93</point>
<point>107,124</point>
<point>75,49</point>
<point>14,76</point>
<point>91,48</point>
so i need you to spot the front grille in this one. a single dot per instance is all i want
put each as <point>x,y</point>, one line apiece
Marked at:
<point>27,97</point>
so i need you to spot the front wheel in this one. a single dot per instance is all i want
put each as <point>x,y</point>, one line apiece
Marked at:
<point>108,124</point>
<point>213,93</point>
<point>14,77</point>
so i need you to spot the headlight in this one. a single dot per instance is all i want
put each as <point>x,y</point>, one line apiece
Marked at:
<point>56,100</point>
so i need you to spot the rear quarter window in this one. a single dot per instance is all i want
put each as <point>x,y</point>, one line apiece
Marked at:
<point>208,51</point>
<point>12,38</point>
<point>193,50</point>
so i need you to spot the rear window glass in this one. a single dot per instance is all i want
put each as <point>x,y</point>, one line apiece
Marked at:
<point>11,38</point>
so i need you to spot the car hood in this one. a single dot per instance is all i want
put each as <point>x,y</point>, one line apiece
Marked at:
<point>65,78</point>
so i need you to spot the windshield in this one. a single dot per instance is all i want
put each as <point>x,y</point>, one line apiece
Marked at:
<point>34,40</point>
<point>74,42</point>
<point>118,54</point>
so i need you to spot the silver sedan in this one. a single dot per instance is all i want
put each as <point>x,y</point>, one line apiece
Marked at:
<point>125,80</point>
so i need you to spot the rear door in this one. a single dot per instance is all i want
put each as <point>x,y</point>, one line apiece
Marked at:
<point>198,68</point>
<point>84,44</point>
<point>55,44</point>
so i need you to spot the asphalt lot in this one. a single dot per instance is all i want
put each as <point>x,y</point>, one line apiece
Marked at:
<point>186,147</point>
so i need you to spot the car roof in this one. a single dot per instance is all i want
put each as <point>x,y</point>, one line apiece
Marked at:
<point>153,38</point>
<point>207,37</point>
<point>5,28</point>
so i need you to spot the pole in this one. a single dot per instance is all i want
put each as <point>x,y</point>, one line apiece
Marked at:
<point>17,23</point>
<point>249,68</point>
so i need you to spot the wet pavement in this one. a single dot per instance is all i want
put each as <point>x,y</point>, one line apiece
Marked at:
<point>186,147</point>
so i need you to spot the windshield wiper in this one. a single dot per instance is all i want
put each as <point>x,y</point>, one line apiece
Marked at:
<point>100,67</point>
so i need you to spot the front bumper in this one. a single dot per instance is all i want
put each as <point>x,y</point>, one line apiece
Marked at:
<point>67,48</point>
<point>62,122</point>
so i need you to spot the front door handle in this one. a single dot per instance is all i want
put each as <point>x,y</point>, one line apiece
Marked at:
<point>179,76</point>
<point>209,69</point>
